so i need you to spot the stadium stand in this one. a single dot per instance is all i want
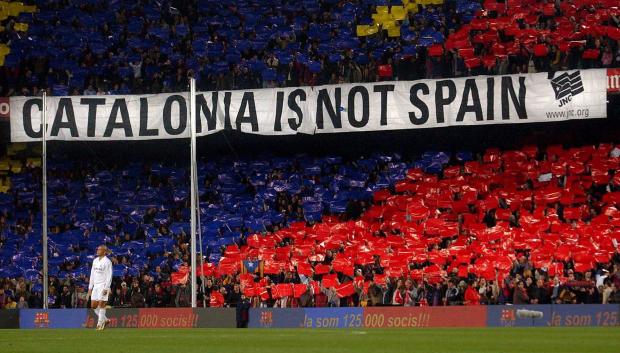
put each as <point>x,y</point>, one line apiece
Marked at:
<point>118,47</point>
<point>438,220</point>
<point>494,226</point>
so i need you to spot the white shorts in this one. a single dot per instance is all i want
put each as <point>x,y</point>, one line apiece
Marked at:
<point>97,294</point>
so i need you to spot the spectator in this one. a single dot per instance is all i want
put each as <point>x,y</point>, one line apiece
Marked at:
<point>614,295</point>
<point>35,300</point>
<point>375,294</point>
<point>601,277</point>
<point>53,300</point>
<point>410,293</point>
<point>136,66</point>
<point>183,297</point>
<point>520,295</point>
<point>243,312</point>
<point>90,91</point>
<point>158,298</point>
<point>607,57</point>
<point>137,299</point>
<point>472,296</point>
<point>216,299</point>
<point>400,294</point>
<point>556,289</point>
<point>453,296</point>
<point>234,296</point>
<point>539,293</point>
<point>332,296</point>
<point>66,298</point>
<point>306,299</point>
<point>22,304</point>
<point>122,296</point>
<point>21,290</point>
<point>592,295</point>
<point>608,289</point>
<point>10,303</point>
<point>567,296</point>
<point>79,298</point>
<point>488,292</point>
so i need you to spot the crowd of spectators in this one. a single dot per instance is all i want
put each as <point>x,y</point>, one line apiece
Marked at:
<point>147,280</point>
<point>116,47</point>
<point>522,287</point>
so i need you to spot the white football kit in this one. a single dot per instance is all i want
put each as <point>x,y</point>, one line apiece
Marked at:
<point>100,278</point>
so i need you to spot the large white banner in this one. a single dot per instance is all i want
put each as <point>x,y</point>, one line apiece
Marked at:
<point>480,100</point>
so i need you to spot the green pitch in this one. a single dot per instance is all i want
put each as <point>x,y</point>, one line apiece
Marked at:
<point>504,340</point>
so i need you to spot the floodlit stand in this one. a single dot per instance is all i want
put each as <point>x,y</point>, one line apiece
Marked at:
<point>44,197</point>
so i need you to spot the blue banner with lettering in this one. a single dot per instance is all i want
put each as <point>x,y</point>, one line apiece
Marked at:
<point>307,317</point>
<point>554,315</point>
<point>334,317</point>
<point>497,316</point>
<point>53,318</point>
<point>276,318</point>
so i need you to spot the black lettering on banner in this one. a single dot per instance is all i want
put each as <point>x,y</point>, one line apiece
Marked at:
<point>470,88</point>
<point>247,101</point>
<point>440,100</point>
<point>27,117</point>
<point>180,100</point>
<point>383,89</point>
<point>210,114</point>
<point>519,103</point>
<point>119,106</point>
<point>365,106</point>
<point>293,123</point>
<point>92,104</point>
<point>333,110</point>
<point>418,103</point>
<point>65,107</point>
<point>490,98</point>
<point>144,120</point>
<point>277,125</point>
<point>227,98</point>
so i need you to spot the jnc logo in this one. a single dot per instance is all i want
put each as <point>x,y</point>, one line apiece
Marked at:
<point>566,86</point>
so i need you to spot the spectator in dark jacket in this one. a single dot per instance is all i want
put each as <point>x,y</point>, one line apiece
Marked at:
<point>375,294</point>
<point>183,297</point>
<point>539,293</point>
<point>520,296</point>
<point>243,312</point>
<point>452,295</point>
<point>66,298</point>
<point>158,298</point>
<point>614,296</point>
<point>122,296</point>
<point>137,299</point>
<point>234,296</point>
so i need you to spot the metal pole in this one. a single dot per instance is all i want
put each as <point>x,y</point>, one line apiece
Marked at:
<point>44,198</point>
<point>200,248</point>
<point>192,125</point>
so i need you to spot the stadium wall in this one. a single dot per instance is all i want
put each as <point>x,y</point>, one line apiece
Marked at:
<point>371,317</point>
<point>9,319</point>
